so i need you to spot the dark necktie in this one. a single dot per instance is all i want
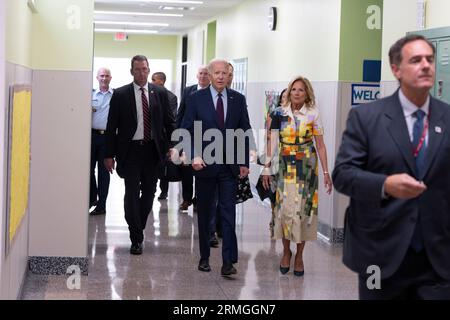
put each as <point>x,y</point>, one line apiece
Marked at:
<point>417,241</point>
<point>146,114</point>
<point>220,112</point>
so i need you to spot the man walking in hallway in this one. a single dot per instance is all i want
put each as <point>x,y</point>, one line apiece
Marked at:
<point>137,134</point>
<point>187,182</point>
<point>100,109</point>
<point>217,107</point>
<point>159,79</point>
<point>394,165</point>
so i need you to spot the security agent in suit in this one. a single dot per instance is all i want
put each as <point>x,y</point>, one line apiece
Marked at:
<point>187,181</point>
<point>100,109</point>
<point>217,107</point>
<point>394,165</point>
<point>159,79</point>
<point>138,145</point>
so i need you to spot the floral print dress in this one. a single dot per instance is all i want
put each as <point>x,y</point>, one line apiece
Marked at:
<point>295,212</point>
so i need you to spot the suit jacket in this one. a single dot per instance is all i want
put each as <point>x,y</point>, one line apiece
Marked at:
<point>181,110</point>
<point>200,107</point>
<point>122,122</point>
<point>378,231</point>
<point>173,103</point>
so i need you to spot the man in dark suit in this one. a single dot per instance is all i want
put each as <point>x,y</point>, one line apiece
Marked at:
<point>137,136</point>
<point>187,181</point>
<point>159,79</point>
<point>217,109</point>
<point>394,165</point>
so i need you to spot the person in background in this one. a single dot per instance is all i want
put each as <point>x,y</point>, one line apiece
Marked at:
<point>159,79</point>
<point>187,181</point>
<point>138,133</point>
<point>295,128</point>
<point>100,109</point>
<point>393,163</point>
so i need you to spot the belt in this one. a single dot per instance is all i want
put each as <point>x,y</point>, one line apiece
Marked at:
<point>140,142</point>
<point>98,131</point>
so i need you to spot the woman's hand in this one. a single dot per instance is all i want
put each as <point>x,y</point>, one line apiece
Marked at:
<point>267,180</point>
<point>328,183</point>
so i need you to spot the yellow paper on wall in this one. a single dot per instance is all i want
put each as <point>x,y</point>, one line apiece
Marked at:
<point>20,159</point>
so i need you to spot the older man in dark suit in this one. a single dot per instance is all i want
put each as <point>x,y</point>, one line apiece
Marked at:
<point>218,110</point>
<point>138,133</point>
<point>394,164</point>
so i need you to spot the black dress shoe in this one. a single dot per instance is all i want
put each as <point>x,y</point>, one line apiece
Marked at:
<point>228,270</point>
<point>97,211</point>
<point>136,248</point>
<point>203,265</point>
<point>214,242</point>
<point>93,203</point>
<point>162,196</point>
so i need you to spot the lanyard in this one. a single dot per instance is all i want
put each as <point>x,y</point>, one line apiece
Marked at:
<point>422,137</point>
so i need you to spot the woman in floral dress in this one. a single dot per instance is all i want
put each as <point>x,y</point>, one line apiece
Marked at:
<point>295,128</point>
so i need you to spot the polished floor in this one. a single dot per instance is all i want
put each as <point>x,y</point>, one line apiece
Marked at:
<point>167,269</point>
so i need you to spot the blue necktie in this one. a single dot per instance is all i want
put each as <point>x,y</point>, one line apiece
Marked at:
<point>417,241</point>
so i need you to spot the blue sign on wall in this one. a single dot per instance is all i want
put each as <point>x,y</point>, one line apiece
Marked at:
<point>365,93</point>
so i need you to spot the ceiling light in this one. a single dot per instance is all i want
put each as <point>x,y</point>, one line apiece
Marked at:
<point>126,31</point>
<point>176,1</point>
<point>139,13</point>
<point>142,24</point>
<point>175,8</point>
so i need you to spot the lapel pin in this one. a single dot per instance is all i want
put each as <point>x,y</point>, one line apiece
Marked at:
<point>151,92</point>
<point>437,129</point>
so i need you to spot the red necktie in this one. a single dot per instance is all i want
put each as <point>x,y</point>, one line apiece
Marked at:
<point>220,112</point>
<point>146,114</point>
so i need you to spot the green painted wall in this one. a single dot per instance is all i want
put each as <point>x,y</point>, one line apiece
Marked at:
<point>152,46</point>
<point>211,41</point>
<point>357,41</point>
<point>18,32</point>
<point>62,35</point>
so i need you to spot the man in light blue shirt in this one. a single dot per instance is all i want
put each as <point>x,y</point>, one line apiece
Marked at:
<point>100,110</point>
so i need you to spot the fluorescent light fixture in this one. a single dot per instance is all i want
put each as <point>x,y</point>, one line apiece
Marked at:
<point>129,23</point>
<point>125,31</point>
<point>176,1</point>
<point>127,13</point>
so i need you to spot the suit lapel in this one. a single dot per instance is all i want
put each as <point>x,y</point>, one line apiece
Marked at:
<point>230,106</point>
<point>436,130</point>
<point>399,131</point>
<point>133,102</point>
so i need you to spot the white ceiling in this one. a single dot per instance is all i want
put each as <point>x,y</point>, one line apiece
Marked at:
<point>176,25</point>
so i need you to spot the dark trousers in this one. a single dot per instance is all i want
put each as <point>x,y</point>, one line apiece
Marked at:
<point>139,173</point>
<point>187,183</point>
<point>415,279</point>
<point>100,189</point>
<point>215,224</point>
<point>164,186</point>
<point>225,184</point>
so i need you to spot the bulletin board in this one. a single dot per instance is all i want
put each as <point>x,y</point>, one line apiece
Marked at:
<point>18,158</point>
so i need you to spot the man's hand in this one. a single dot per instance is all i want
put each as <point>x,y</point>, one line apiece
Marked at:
<point>403,186</point>
<point>109,164</point>
<point>173,155</point>
<point>198,164</point>
<point>243,172</point>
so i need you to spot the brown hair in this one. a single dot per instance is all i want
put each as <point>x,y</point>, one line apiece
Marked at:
<point>139,58</point>
<point>395,52</point>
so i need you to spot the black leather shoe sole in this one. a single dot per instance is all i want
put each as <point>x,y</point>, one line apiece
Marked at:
<point>97,212</point>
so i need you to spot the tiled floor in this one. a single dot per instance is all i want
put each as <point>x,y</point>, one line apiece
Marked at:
<point>168,267</point>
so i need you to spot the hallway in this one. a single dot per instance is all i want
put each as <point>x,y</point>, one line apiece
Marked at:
<point>167,269</point>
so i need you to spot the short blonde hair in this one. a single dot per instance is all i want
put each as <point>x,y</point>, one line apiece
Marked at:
<point>310,101</point>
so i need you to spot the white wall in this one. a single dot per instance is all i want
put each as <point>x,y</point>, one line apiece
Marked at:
<point>438,13</point>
